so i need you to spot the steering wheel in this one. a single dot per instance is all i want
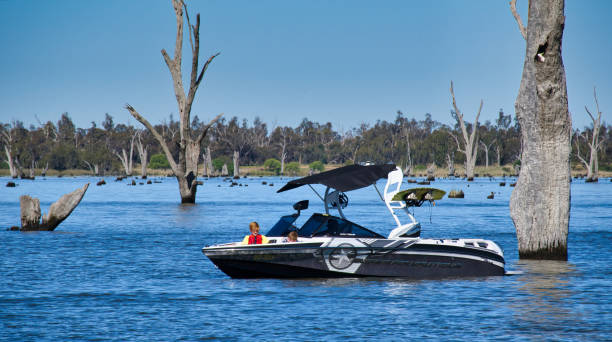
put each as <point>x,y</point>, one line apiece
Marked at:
<point>342,201</point>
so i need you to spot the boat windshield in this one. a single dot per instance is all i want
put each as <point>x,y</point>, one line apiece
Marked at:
<point>283,226</point>
<point>325,225</point>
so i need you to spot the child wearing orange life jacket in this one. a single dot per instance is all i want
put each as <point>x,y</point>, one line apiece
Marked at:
<point>255,238</point>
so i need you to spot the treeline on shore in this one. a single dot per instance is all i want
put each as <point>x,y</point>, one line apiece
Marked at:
<point>111,148</point>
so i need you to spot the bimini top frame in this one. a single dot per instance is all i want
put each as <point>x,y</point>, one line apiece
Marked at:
<point>355,177</point>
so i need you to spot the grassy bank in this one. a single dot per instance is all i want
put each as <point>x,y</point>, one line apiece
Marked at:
<point>260,170</point>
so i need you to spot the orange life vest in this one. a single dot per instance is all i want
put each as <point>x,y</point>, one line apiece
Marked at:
<point>255,239</point>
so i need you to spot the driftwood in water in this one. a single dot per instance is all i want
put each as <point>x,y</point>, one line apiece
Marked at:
<point>58,212</point>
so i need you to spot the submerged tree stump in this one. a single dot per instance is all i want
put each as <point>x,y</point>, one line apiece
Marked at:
<point>58,212</point>
<point>456,194</point>
<point>30,213</point>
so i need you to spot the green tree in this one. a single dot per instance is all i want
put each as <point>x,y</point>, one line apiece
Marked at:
<point>273,165</point>
<point>292,168</point>
<point>159,161</point>
<point>317,166</point>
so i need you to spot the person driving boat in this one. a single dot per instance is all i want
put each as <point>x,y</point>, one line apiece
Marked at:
<point>254,238</point>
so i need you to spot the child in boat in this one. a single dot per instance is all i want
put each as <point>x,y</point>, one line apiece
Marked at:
<point>292,237</point>
<point>255,238</point>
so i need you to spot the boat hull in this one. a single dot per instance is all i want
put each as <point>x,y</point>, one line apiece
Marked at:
<point>346,259</point>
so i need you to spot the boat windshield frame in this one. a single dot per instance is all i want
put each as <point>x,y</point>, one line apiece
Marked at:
<point>318,226</point>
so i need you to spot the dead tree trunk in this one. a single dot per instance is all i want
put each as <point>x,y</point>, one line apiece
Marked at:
<point>45,169</point>
<point>498,152</point>
<point>143,154</point>
<point>540,202</point>
<point>450,162</point>
<point>486,149</point>
<point>126,161</point>
<point>30,213</point>
<point>283,145</point>
<point>58,212</point>
<point>93,168</point>
<point>408,168</point>
<point>32,167</point>
<point>186,169</point>
<point>208,166</point>
<point>7,140</point>
<point>19,169</point>
<point>236,160</point>
<point>470,145</point>
<point>594,145</point>
<point>431,171</point>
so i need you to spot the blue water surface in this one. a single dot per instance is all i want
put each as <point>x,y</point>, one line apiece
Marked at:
<point>127,265</point>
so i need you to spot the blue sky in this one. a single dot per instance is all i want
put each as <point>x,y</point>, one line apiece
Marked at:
<point>346,62</point>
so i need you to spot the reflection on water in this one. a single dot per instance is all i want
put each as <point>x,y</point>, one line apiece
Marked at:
<point>543,290</point>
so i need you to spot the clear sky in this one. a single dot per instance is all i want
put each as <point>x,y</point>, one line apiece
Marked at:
<point>341,61</point>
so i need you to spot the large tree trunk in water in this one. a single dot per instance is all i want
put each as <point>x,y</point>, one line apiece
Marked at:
<point>236,160</point>
<point>186,168</point>
<point>187,188</point>
<point>540,202</point>
<point>58,212</point>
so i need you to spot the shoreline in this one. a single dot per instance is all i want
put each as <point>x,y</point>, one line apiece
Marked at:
<point>259,171</point>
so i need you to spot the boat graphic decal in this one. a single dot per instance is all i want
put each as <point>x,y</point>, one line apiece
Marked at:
<point>342,256</point>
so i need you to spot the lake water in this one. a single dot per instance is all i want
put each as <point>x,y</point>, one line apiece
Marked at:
<point>127,265</point>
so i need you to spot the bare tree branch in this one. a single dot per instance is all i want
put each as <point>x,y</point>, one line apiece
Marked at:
<point>588,112</point>
<point>522,28</point>
<point>205,130</point>
<point>457,142</point>
<point>577,143</point>
<point>159,138</point>
<point>210,59</point>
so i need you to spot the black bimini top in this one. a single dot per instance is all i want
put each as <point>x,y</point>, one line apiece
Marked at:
<point>346,178</point>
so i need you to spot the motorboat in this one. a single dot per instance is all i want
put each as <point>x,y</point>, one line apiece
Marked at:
<point>332,246</point>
